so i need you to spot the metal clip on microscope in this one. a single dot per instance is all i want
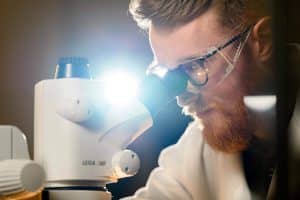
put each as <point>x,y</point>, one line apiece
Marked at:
<point>80,140</point>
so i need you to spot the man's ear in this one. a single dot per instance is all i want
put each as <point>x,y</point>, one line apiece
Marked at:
<point>262,34</point>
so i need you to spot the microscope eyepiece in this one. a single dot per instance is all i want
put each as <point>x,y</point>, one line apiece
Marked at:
<point>72,67</point>
<point>158,92</point>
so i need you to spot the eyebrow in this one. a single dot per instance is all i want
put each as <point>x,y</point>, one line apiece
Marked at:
<point>189,58</point>
<point>234,38</point>
<point>192,57</point>
<point>181,60</point>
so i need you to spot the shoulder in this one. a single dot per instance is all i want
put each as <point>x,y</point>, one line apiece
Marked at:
<point>188,144</point>
<point>192,132</point>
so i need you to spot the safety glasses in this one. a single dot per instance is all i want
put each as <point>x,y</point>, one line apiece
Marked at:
<point>213,67</point>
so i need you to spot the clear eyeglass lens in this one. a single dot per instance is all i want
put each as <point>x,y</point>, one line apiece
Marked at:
<point>210,71</point>
<point>197,72</point>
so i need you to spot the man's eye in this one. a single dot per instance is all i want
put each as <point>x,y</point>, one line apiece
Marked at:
<point>194,66</point>
<point>189,67</point>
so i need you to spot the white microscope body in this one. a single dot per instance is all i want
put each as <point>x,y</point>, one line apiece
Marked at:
<point>81,141</point>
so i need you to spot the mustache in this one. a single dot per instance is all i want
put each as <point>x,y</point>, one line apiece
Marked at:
<point>188,98</point>
<point>191,95</point>
<point>195,102</point>
<point>192,103</point>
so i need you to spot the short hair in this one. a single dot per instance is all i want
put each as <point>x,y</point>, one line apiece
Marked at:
<point>172,13</point>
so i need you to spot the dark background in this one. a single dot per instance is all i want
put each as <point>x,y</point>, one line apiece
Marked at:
<point>34,34</point>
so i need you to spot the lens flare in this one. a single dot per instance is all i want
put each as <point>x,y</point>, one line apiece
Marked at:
<point>120,88</point>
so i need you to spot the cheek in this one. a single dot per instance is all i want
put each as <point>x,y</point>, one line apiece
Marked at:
<point>236,83</point>
<point>233,87</point>
<point>239,80</point>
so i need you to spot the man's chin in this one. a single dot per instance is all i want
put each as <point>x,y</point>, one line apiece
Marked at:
<point>228,133</point>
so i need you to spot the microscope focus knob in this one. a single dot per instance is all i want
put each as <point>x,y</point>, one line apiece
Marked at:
<point>125,163</point>
<point>75,108</point>
<point>20,175</point>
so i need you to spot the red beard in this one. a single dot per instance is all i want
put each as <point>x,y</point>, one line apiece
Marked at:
<point>227,130</point>
<point>227,127</point>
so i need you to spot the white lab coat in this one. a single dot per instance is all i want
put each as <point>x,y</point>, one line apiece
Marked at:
<point>191,169</point>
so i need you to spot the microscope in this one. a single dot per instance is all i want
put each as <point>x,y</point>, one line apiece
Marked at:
<point>80,139</point>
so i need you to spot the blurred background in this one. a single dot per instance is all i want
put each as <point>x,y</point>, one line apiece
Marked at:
<point>34,34</point>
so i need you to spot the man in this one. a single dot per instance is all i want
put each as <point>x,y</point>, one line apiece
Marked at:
<point>225,47</point>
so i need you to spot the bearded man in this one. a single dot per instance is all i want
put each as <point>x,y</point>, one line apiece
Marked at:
<point>225,47</point>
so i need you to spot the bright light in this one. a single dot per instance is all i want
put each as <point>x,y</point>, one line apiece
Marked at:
<point>160,71</point>
<point>260,103</point>
<point>120,88</point>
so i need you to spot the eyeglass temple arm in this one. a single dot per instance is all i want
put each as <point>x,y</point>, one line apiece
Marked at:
<point>233,39</point>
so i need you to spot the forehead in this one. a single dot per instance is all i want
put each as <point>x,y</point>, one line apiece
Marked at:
<point>170,46</point>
